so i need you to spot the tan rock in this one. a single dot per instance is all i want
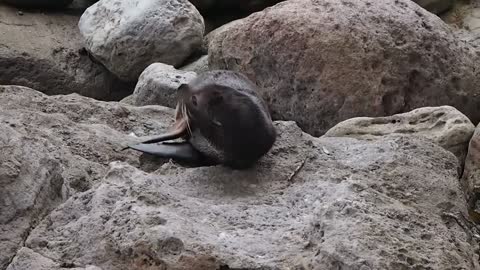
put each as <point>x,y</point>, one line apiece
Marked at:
<point>444,125</point>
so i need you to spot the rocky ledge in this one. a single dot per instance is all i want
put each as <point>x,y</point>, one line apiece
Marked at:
<point>70,199</point>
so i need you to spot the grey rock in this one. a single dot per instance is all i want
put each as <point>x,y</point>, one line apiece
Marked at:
<point>321,62</point>
<point>44,51</point>
<point>435,6</point>
<point>127,36</point>
<point>53,147</point>
<point>158,85</point>
<point>198,66</point>
<point>365,204</point>
<point>444,125</point>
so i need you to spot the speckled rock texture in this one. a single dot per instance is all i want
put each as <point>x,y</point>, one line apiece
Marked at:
<point>70,199</point>
<point>52,147</point>
<point>319,62</point>
<point>444,125</point>
<point>129,35</point>
<point>158,85</point>
<point>44,50</point>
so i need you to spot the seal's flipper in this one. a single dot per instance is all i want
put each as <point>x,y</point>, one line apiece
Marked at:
<point>179,151</point>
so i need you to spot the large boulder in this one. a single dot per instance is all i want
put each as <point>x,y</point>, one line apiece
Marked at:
<point>158,85</point>
<point>129,35</point>
<point>320,62</point>
<point>310,203</point>
<point>444,125</point>
<point>45,51</point>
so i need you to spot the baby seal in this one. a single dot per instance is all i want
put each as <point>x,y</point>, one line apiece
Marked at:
<point>222,119</point>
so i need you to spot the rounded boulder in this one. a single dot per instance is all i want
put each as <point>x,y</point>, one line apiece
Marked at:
<point>128,35</point>
<point>319,62</point>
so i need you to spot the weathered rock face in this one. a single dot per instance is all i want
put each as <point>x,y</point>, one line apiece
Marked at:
<point>435,6</point>
<point>320,62</point>
<point>52,147</point>
<point>319,203</point>
<point>158,85</point>
<point>471,174</point>
<point>444,125</point>
<point>128,36</point>
<point>44,51</point>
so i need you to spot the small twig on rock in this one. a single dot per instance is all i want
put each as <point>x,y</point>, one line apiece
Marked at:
<point>294,173</point>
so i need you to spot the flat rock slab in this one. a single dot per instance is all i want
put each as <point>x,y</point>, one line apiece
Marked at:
<point>44,50</point>
<point>444,125</point>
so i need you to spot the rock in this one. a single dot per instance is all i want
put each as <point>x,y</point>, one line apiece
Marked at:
<point>435,6</point>
<point>368,208</point>
<point>471,173</point>
<point>158,85</point>
<point>321,62</point>
<point>39,3</point>
<point>198,66</point>
<point>44,51</point>
<point>128,36</point>
<point>444,125</point>
<point>53,147</point>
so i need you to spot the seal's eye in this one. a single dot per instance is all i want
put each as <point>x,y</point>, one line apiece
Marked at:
<point>194,100</point>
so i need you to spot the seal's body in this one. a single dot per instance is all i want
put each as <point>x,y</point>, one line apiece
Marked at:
<point>223,120</point>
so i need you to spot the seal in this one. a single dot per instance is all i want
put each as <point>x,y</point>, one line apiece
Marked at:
<point>222,120</point>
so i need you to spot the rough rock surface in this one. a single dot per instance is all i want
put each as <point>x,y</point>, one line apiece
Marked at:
<point>317,203</point>
<point>320,62</point>
<point>471,173</point>
<point>435,6</point>
<point>52,147</point>
<point>129,35</point>
<point>44,51</point>
<point>444,125</point>
<point>158,84</point>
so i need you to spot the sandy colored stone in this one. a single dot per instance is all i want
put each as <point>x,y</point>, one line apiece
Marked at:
<point>444,125</point>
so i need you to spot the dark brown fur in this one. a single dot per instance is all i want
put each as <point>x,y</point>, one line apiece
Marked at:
<point>223,119</point>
